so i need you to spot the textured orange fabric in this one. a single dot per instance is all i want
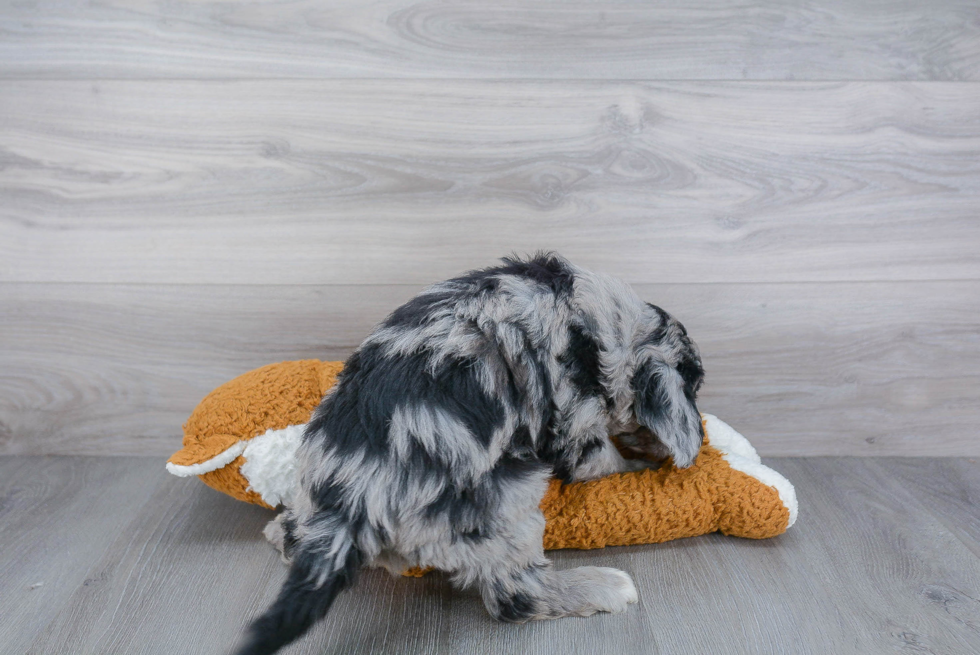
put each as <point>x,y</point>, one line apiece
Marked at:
<point>657,506</point>
<point>228,479</point>
<point>626,508</point>
<point>268,398</point>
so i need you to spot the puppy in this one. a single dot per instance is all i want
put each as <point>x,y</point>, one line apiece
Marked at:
<point>436,445</point>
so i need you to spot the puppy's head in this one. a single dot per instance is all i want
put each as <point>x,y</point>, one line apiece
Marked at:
<point>665,384</point>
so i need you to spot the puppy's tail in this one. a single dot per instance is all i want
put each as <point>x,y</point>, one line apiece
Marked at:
<point>317,574</point>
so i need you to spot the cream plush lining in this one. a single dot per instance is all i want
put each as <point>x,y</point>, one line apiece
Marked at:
<point>220,460</point>
<point>270,464</point>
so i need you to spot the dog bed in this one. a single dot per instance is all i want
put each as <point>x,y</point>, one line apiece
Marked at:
<point>242,440</point>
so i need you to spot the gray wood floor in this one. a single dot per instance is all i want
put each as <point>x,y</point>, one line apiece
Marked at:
<point>113,555</point>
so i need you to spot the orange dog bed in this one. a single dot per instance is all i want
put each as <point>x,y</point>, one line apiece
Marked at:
<point>243,436</point>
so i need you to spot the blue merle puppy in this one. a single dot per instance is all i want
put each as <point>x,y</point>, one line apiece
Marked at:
<point>437,443</point>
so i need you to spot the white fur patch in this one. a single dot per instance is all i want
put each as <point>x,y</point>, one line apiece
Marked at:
<point>270,464</point>
<point>741,456</point>
<point>220,460</point>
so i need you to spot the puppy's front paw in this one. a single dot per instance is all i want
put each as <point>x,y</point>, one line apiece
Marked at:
<point>594,589</point>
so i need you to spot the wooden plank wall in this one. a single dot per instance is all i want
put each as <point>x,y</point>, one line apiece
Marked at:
<point>192,189</point>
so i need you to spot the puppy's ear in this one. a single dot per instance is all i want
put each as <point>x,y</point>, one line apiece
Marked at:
<point>664,403</point>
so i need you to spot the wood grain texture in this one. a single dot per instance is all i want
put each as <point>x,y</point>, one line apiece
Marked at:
<point>801,369</point>
<point>172,581</point>
<point>950,489</point>
<point>678,39</point>
<point>58,516</point>
<point>869,568</point>
<point>380,182</point>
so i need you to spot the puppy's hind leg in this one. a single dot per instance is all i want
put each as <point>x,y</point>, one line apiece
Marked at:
<point>541,592</point>
<point>526,587</point>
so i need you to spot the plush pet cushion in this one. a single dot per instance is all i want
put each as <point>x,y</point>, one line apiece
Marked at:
<point>242,440</point>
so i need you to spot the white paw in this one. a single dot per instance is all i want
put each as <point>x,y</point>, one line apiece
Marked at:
<point>590,589</point>
<point>623,584</point>
<point>602,589</point>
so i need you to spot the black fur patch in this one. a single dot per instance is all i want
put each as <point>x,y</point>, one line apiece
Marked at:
<point>554,454</point>
<point>447,500</point>
<point>357,415</point>
<point>510,468</point>
<point>582,361</point>
<point>589,449</point>
<point>471,508</point>
<point>337,423</point>
<point>419,310</point>
<point>693,376</point>
<point>546,269</point>
<point>457,389</point>
<point>660,333</point>
<point>476,535</point>
<point>288,535</point>
<point>516,608</point>
<point>650,398</point>
<point>522,444</point>
<point>328,496</point>
<point>476,283</point>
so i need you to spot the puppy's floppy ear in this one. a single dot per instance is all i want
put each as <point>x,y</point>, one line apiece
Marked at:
<point>663,402</point>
